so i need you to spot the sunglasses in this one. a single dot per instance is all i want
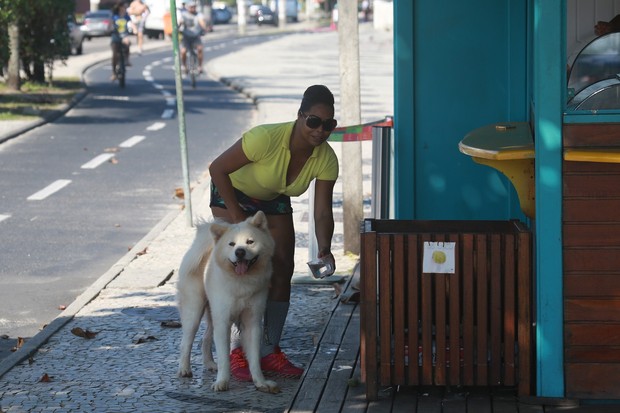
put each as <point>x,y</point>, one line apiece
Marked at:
<point>313,122</point>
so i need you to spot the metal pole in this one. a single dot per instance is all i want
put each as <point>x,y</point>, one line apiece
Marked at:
<point>180,108</point>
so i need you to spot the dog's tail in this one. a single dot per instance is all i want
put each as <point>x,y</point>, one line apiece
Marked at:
<point>196,257</point>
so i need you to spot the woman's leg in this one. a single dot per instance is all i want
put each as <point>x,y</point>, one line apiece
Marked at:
<point>283,232</point>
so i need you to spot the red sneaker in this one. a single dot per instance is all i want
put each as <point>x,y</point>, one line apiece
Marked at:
<point>239,365</point>
<point>277,362</point>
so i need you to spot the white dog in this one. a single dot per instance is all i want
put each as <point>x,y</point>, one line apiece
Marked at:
<point>225,275</point>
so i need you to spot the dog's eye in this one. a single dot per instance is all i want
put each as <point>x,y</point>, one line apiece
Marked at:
<point>250,242</point>
<point>231,243</point>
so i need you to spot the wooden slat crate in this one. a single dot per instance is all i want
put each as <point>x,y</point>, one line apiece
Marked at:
<point>471,327</point>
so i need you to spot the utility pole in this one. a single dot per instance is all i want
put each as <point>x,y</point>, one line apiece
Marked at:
<point>350,111</point>
<point>281,10</point>
<point>241,20</point>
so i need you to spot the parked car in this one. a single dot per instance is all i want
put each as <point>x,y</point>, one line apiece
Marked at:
<point>97,24</point>
<point>76,37</point>
<point>264,15</point>
<point>220,15</point>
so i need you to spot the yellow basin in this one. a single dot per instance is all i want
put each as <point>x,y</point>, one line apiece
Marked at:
<point>509,148</point>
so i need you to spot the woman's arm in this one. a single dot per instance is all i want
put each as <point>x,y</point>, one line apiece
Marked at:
<point>324,219</point>
<point>225,164</point>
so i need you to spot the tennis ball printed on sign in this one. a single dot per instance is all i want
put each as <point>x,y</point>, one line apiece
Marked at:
<point>439,257</point>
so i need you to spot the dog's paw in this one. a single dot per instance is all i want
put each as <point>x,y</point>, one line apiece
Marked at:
<point>183,372</point>
<point>220,385</point>
<point>211,365</point>
<point>268,386</point>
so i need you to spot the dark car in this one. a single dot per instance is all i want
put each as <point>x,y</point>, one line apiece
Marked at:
<point>76,37</point>
<point>98,24</point>
<point>264,15</point>
<point>220,15</point>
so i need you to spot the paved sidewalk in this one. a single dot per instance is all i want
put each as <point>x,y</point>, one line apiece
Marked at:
<point>130,364</point>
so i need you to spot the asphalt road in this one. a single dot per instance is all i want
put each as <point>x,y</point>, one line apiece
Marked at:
<point>77,193</point>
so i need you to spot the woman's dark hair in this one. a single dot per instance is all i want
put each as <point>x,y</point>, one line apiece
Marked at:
<point>314,95</point>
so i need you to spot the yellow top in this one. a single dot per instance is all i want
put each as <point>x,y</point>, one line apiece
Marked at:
<point>502,141</point>
<point>267,146</point>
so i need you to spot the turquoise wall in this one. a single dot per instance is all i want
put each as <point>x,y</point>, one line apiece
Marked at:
<point>459,66</point>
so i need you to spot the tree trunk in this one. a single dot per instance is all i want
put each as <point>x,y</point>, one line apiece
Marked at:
<point>353,202</point>
<point>13,81</point>
<point>38,74</point>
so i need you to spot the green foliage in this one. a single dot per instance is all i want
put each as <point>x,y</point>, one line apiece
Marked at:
<point>43,33</point>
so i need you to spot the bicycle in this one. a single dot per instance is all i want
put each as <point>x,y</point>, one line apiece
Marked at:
<point>193,67</point>
<point>120,69</point>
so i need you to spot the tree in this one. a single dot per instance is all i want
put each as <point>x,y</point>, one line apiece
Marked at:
<point>43,34</point>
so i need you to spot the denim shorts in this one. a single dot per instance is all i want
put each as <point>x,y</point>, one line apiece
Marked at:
<point>280,205</point>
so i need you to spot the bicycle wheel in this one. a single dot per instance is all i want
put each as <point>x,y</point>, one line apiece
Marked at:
<point>120,68</point>
<point>193,68</point>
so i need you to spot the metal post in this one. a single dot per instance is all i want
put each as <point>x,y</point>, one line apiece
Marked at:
<point>180,108</point>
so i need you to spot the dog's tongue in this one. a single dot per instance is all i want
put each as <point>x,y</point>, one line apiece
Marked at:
<point>241,267</point>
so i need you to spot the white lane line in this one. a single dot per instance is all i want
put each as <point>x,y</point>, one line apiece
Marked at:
<point>97,160</point>
<point>168,114</point>
<point>4,216</point>
<point>171,101</point>
<point>156,126</point>
<point>132,141</point>
<point>104,97</point>
<point>49,190</point>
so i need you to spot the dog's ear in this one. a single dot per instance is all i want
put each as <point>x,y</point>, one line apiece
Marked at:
<point>259,220</point>
<point>218,229</point>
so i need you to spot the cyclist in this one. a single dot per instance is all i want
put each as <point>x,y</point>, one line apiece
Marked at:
<point>120,35</point>
<point>194,26</point>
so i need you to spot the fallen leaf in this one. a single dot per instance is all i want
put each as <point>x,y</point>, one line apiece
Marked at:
<point>87,334</point>
<point>20,342</point>
<point>144,339</point>
<point>111,150</point>
<point>179,193</point>
<point>45,378</point>
<point>171,324</point>
<point>30,360</point>
<point>113,161</point>
<point>142,252</point>
<point>62,307</point>
<point>4,336</point>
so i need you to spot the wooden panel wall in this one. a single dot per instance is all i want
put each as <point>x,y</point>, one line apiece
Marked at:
<point>591,242</point>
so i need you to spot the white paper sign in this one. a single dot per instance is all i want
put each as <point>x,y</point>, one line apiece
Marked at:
<point>438,257</point>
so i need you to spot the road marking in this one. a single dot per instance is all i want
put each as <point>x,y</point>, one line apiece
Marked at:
<point>171,101</point>
<point>132,141</point>
<point>49,190</point>
<point>4,216</point>
<point>97,160</point>
<point>168,114</point>
<point>104,97</point>
<point>156,126</point>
